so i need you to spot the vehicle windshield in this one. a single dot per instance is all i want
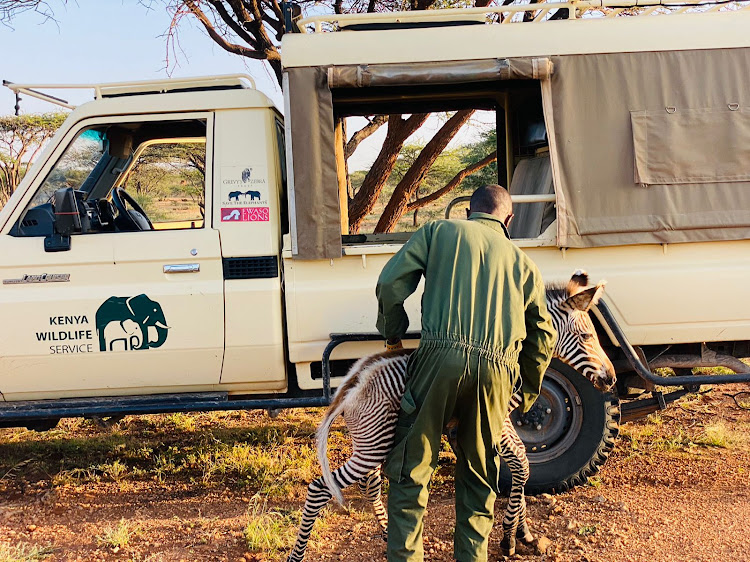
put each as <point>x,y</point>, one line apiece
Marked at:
<point>75,166</point>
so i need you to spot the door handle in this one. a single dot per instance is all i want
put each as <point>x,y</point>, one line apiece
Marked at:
<point>182,268</point>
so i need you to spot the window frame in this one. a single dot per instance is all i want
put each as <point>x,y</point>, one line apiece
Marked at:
<point>50,160</point>
<point>346,104</point>
<point>124,175</point>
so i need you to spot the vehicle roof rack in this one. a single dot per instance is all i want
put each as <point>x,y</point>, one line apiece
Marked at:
<point>116,89</point>
<point>540,12</point>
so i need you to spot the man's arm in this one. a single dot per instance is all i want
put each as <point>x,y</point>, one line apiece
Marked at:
<point>536,352</point>
<point>398,280</point>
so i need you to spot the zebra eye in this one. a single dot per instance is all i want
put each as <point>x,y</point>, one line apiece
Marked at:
<point>587,337</point>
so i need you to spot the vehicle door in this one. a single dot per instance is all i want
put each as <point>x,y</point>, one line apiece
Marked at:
<point>135,305</point>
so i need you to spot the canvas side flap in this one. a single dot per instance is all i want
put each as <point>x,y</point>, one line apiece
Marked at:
<point>314,189</point>
<point>688,146</point>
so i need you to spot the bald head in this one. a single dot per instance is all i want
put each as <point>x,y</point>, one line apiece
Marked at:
<point>493,200</point>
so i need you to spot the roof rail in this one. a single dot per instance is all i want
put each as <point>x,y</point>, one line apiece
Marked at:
<point>515,13</point>
<point>112,89</point>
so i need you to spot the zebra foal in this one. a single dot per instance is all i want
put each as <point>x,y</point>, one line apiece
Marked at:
<point>369,398</point>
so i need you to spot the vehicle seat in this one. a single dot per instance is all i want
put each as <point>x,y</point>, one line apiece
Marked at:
<point>532,176</point>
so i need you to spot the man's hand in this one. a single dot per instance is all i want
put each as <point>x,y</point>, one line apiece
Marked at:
<point>393,345</point>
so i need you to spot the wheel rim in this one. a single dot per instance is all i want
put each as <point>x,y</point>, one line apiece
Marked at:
<point>553,423</point>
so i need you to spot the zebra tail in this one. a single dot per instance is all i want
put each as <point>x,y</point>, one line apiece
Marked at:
<point>322,441</point>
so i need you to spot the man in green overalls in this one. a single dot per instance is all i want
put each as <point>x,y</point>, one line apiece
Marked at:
<point>485,332</point>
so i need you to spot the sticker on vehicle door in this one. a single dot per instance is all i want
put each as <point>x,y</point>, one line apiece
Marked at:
<point>245,214</point>
<point>244,187</point>
<point>120,324</point>
<point>127,323</point>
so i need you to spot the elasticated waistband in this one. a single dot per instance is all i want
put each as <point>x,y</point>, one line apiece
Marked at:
<point>453,341</point>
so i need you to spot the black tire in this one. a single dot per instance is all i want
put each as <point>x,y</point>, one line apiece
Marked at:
<point>568,433</point>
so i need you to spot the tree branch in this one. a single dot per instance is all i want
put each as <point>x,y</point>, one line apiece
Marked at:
<point>363,133</point>
<point>364,200</point>
<point>216,36</point>
<point>414,176</point>
<point>232,23</point>
<point>451,185</point>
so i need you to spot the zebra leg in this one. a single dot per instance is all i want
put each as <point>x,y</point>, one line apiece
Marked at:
<point>523,532</point>
<point>318,495</point>
<point>513,453</point>
<point>371,488</point>
<point>317,498</point>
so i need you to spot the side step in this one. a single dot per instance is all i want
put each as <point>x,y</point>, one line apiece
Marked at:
<point>30,410</point>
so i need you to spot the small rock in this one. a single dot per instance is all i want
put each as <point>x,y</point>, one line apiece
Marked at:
<point>542,544</point>
<point>599,499</point>
<point>31,528</point>
<point>557,509</point>
<point>622,506</point>
<point>571,525</point>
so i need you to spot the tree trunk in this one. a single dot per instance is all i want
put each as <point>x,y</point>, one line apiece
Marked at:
<point>364,200</point>
<point>416,173</point>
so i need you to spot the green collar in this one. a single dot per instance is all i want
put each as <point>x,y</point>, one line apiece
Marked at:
<point>492,221</point>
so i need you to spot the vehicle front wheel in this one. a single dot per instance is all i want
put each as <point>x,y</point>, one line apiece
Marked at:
<point>569,431</point>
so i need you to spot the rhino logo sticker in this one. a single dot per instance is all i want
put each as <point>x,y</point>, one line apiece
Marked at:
<point>127,323</point>
<point>246,174</point>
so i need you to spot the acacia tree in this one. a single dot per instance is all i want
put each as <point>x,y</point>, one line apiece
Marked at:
<point>12,8</point>
<point>21,139</point>
<point>253,29</point>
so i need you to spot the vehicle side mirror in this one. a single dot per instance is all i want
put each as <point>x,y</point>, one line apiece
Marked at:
<point>67,220</point>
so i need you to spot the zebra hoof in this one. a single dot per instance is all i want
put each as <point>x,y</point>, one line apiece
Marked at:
<point>508,546</point>
<point>524,535</point>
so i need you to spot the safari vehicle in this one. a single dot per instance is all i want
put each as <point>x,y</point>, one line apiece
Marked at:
<point>624,136</point>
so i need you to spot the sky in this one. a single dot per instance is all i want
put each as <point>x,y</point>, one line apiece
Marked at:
<point>96,41</point>
<point>110,41</point>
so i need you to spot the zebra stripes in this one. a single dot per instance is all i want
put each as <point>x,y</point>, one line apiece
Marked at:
<point>513,452</point>
<point>577,343</point>
<point>369,399</point>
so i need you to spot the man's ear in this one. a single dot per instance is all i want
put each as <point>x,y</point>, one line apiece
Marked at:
<point>468,212</point>
<point>508,220</point>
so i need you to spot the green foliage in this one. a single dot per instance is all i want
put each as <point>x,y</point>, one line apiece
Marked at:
<point>268,531</point>
<point>448,164</point>
<point>21,139</point>
<point>23,552</point>
<point>586,530</point>
<point>168,181</point>
<point>31,124</point>
<point>270,457</point>
<point>117,537</point>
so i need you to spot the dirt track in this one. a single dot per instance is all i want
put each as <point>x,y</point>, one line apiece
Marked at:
<point>676,488</point>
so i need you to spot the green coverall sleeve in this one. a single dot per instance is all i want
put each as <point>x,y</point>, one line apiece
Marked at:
<point>398,280</point>
<point>536,352</point>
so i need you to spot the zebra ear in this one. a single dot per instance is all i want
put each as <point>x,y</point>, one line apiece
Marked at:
<point>578,282</point>
<point>584,299</point>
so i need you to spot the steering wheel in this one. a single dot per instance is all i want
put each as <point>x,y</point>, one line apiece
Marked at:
<point>119,198</point>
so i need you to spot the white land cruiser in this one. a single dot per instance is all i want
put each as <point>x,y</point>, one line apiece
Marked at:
<point>625,141</point>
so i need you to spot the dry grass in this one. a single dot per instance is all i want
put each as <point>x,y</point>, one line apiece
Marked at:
<point>117,536</point>
<point>23,552</point>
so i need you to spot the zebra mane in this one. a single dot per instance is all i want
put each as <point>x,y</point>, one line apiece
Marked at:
<point>556,291</point>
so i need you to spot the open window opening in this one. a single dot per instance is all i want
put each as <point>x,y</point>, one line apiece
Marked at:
<point>408,155</point>
<point>126,177</point>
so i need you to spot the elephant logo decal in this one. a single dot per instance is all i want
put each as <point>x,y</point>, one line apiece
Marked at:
<point>246,173</point>
<point>126,323</point>
<point>253,195</point>
<point>235,195</point>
